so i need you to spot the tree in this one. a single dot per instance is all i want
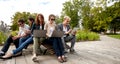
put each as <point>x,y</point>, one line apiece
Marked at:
<point>71,9</point>
<point>19,15</point>
<point>115,14</point>
<point>79,10</point>
<point>115,24</point>
<point>59,20</point>
<point>95,16</point>
<point>86,15</point>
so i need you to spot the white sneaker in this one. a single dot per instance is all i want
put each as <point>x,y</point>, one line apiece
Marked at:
<point>66,50</point>
<point>34,57</point>
<point>2,53</point>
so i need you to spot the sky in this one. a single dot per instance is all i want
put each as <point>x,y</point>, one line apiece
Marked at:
<point>46,7</point>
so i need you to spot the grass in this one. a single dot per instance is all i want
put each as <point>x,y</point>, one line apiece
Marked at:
<point>115,36</point>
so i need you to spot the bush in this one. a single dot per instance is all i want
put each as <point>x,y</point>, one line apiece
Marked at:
<point>93,36</point>
<point>2,37</point>
<point>86,36</point>
<point>81,35</point>
<point>14,33</point>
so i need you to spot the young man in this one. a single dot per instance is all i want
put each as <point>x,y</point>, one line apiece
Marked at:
<point>67,37</point>
<point>15,39</point>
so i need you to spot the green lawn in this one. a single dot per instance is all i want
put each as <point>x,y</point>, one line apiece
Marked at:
<point>115,36</point>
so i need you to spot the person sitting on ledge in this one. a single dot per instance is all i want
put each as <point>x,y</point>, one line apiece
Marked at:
<point>69,34</point>
<point>15,39</point>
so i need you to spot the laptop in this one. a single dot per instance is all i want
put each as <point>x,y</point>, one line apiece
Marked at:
<point>42,33</point>
<point>39,33</point>
<point>57,33</point>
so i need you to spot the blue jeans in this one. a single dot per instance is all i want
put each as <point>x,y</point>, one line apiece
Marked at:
<point>57,45</point>
<point>25,43</point>
<point>8,42</point>
<point>23,39</point>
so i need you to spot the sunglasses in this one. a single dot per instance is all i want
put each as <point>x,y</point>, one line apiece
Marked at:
<point>19,24</point>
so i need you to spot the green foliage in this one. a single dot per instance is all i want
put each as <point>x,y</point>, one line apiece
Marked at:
<point>2,37</point>
<point>86,36</point>
<point>71,9</point>
<point>81,35</point>
<point>93,36</point>
<point>98,18</point>
<point>86,16</point>
<point>115,14</point>
<point>94,18</point>
<point>14,33</point>
<point>115,24</point>
<point>59,19</point>
<point>18,15</point>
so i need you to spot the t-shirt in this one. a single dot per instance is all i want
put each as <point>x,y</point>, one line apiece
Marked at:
<point>64,29</point>
<point>23,29</point>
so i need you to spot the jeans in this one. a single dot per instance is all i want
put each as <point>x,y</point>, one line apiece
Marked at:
<point>70,38</point>
<point>8,42</point>
<point>57,45</point>
<point>25,43</point>
<point>23,39</point>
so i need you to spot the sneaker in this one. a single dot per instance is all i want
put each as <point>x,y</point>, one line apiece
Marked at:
<point>72,50</point>
<point>34,58</point>
<point>7,56</point>
<point>65,50</point>
<point>18,54</point>
<point>67,46</point>
<point>2,53</point>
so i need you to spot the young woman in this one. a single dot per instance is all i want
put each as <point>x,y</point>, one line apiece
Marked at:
<point>50,26</point>
<point>39,25</point>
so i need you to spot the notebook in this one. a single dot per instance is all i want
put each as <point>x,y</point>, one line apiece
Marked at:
<point>42,33</point>
<point>39,33</point>
<point>57,33</point>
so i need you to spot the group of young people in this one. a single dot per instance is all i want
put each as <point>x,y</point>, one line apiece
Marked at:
<point>25,37</point>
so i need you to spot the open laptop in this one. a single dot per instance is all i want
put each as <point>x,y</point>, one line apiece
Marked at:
<point>39,33</point>
<point>57,33</point>
<point>42,33</point>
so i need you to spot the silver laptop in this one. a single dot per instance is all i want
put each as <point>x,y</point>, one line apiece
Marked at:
<point>39,33</point>
<point>42,33</point>
<point>57,33</point>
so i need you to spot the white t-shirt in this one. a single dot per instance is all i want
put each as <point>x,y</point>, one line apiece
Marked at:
<point>23,29</point>
<point>65,29</point>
